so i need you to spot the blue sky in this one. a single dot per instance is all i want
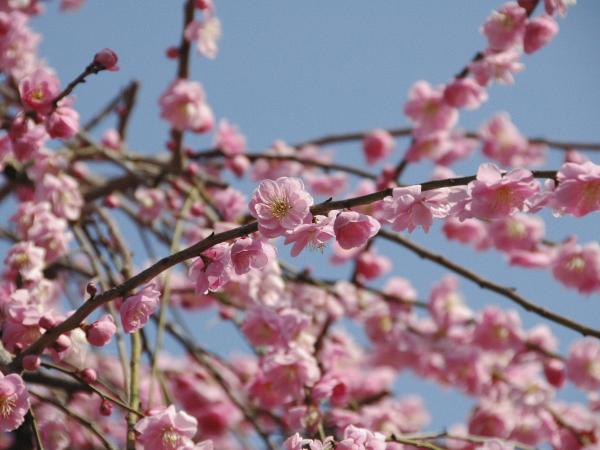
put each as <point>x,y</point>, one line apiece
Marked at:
<point>295,70</point>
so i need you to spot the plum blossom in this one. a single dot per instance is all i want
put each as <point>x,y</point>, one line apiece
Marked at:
<point>27,260</point>
<point>370,265</point>
<point>212,270</point>
<point>496,66</point>
<point>101,331</point>
<point>205,34</point>
<point>377,145</point>
<point>63,123</point>
<point>464,93</point>
<point>247,253</point>
<point>39,90</point>
<point>229,202</point>
<point>184,106</point>
<point>314,234</point>
<point>505,28</point>
<point>409,208</point>
<point>26,137</point>
<point>578,266</point>
<point>280,205</point>
<point>578,190</point>
<point>136,309</point>
<point>428,111</point>
<point>152,203</point>
<point>498,330</point>
<point>518,232</point>
<point>353,229</point>
<point>166,430</point>
<point>63,193</point>
<point>539,31</point>
<point>229,139</point>
<point>360,438</point>
<point>583,364</point>
<point>446,305</point>
<point>558,6</point>
<point>265,326</point>
<point>14,402</point>
<point>492,419</point>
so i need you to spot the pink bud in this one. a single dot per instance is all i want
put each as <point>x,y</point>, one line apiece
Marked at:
<point>63,123</point>
<point>62,343</point>
<point>88,375</point>
<point>111,201</point>
<point>554,370</point>
<point>464,93</point>
<point>353,229</point>
<point>172,52</point>
<point>107,59</point>
<point>31,362</point>
<point>377,145</point>
<point>47,322</point>
<point>538,32</point>
<point>100,332</point>
<point>106,408</point>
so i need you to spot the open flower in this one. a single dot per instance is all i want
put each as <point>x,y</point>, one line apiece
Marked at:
<point>136,310</point>
<point>14,402</point>
<point>166,430</point>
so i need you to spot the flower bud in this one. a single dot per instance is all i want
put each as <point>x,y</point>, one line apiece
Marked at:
<point>107,59</point>
<point>101,331</point>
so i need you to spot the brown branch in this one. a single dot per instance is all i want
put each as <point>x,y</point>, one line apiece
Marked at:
<point>92,69</point>
<point>490,285</point>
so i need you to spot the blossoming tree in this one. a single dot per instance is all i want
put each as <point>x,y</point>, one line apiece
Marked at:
<point>83,323</point>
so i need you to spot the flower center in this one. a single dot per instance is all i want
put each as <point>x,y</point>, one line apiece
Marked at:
<point>37,94</point>
<point>7,405</point>
<point>576,264</point>
<point>170,438</point>
<point>280,208</point>
<point>516,228</point>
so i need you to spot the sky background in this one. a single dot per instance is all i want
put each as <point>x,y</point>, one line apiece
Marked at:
<point>295,70</point>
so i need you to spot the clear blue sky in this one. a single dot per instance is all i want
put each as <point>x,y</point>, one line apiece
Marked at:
<point>295,70</point>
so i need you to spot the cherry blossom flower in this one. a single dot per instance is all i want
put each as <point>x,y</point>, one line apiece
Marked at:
<point>166,430</point>
<point>205,34</point>
<point>377,145</point>
<point>578,190</point>
<point>409,208</point>
<point>578,266</point>
<point>136,309</point>
<point>583,364</point>
<point>353,229</point>
<point>184,106</point>
<point>505,27</point>
<point>14,402</point>
<point>428,111</point>
<point>39,90</point>
<point>280,205</point>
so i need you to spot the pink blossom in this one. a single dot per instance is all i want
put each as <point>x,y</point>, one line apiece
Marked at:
<point>538,32</point>
<point>14,402</point>
<point>136,309</point>
<point>518,232</point>
<point>498,330</point>
<point>361,439</point>
<point>212,270</point>
<point>265,326</point>
<point>280,205</point>
<point>101,331</point>
<point>111,139</point>
<point>329,184</point>
<point>494,196</point>
<point>184,106</point>
<point>166,430</point>
<point>239,164</point>
<point>446,305</point>
<point>369,265</point>
<point>272,168</point>
<point>493,420</point>
<point>377,145</point>
<point>408,207</point>
<point>108,59</point>
<point>26,260</point>
<point>205,34</point>
<point>247,253</point>
<point>578,190</point>
<point>152,203</point>
<point>496,66</point>
<point>465,93</point>
<point>578,266</point>
<point>353,229</point>
<point>314,234</point>
<point>63,193</point>
<point>26,137</point>
<point>558,6</point>
<point>39,90</point>
<point>468,231</point>
<point>555,372</point>
<point>505,27</point>
<point>229,139</point>
<point>428,111</point>
<point>63,123</point>
<point>583,364</point>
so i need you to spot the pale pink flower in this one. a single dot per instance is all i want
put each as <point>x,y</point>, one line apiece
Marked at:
<point>370,265</point>
<point>492,419</point>
<point>465,93</point>
<point>166,430</point>
<point>498,67</point>
<point>538,32</point>
<point>206,35</point>
<point>558,6</point>
<point>498,330</point>
<point>26,137</point>
<point>63,123</point>
<point>184,106</point>
<point>377,145</point>
<point>468,231</point>
<point>229,139</point>
<point>239,164</point>
<point>396,415</point>
<point>446,305</point>
<point>329,184</point>
<point>495,196</point>
<point>136,309</point>
<point>353,229</point>
<point>409,208</point>
<point>230,203</point>
<point>578,266</point>
<point>361,439</point>
<point>108,59</point>
<point>26,260</point>
<point>314,234</point>
<point>101,331</point>
<point>518,232</point>
<point>428,111</point>
<point>212,270</point>
<point>583,364</point>
<point>280,205</point>
<point>578,190</point>
<point>14,402</point>
<point>63,193</point>
<point>432,147</point>
<point>111,139</point>
<point>265,326</point>
<point>247,253</point>
<point>272,168</point>
<point>505,28</point>
<point>152,203</point>
<point>39,90</point>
